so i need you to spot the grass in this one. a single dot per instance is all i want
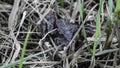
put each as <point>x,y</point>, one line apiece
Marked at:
<point>97,33</point>
<point>22,54</point>
<point>24,48</point>
<point>25,58</point>
<point>110,6</point>
<point>117,12</point>
<point>117,5</point>
<point>97,18</point>
<point>62,3</point>
<point>81,10</point>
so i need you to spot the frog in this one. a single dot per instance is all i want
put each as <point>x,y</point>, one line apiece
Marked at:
<point>65,29</point>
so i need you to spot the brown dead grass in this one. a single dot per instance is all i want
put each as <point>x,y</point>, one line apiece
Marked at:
<point>17,17</point>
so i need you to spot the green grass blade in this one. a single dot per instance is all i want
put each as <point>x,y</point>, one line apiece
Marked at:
<point>24,48</point>
<point>96,40</point>
<point>97,29</point>
<point>85,36</point>
<point>62,3</point>
<point>26,58</point>
<point>117,12</point>
<point>117,5</point>
<point>110,6</point>
<point>81,8</point>
<point>96,34</point>
<point>106,51</point>
<point>117,8</point>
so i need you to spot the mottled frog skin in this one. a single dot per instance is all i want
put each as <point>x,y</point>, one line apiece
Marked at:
<point>65,28</point>
<point>47,25</point>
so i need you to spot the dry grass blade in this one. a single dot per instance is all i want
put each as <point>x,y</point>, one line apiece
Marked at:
<point>65,33</point>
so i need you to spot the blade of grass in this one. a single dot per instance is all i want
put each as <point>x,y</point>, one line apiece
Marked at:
<point>109,33</point>
<point>106,51</point>
<point>110,6</point>
<point>85,36</point>
<point>62,3</point>
<point>108,26</point>
<point>117,5</point>
<point>26,58</point>
<point>24,48</point>
<point>117,12</point>
<point>97,31</point>
<point>117,8</point>
<point>29,57</point>
<point>81,9</point>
